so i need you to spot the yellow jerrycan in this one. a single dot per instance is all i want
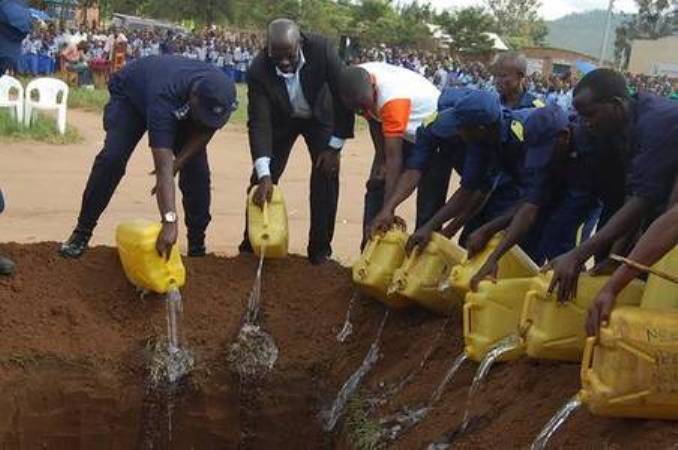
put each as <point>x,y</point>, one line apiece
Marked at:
<point>552,330</point>
<point>493,313</point>
<point>373,272</point>
<point>661,293</point>
<point>140,260</point>
<point>514,264</point>
<point>422,272</point>
<point>267,226</point>
<point>632,369</point>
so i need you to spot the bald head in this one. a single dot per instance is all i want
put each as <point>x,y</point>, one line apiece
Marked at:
<point>283,44</point>
<point>283,31</point>
<point>356,89</point>
<point>511,61</point>
<point>509,71</point>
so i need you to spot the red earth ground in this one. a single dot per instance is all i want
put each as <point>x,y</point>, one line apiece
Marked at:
<point>74,349</point>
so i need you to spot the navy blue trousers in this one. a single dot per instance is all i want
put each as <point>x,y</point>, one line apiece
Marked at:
<point>555,232</point>
<point>434,185</point>
<point>124,128</point>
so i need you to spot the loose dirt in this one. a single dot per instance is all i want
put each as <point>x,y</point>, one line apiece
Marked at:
<point>75,341</point>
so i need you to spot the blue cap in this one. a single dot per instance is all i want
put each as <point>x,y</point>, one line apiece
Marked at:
<point>15,24</point>
<point>449,97</point>
<point>541,133</point>
<point>477,108</point>
<point>217,99</point>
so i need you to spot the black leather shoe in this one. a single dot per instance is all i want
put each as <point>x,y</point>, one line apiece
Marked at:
<point>196,251</point>
<point>75,246</point>
<point>245,247</point>
<point>318,260</point>
<point>7,266</point>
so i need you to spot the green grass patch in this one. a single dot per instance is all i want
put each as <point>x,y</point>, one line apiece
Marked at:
<point>88,99</point>
<point>364,430</point>
<point>42,129</point>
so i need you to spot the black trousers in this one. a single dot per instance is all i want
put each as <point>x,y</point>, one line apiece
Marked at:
<point>324,189</point>
<point>124,128</point>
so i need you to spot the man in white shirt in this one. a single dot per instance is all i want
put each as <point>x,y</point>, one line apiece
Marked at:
<point>395,101</point>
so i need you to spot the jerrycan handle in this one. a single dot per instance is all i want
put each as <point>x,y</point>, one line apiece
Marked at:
<point>525,321</point>
<point>587,359</point>
<point>468,308</point>
<point>264,211</point>
<point>411,259</point>
<point>371,247</point>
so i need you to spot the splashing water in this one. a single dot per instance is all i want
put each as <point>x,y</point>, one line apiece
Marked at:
<point>501,348</point>
<point>347,329</point>
<point>254,299</point>
<point>174,313</point>
<point>456,365</point>
<point>397,424</point>
<point>254,351</point>
<point>556,421</point>
<point>332,416</point>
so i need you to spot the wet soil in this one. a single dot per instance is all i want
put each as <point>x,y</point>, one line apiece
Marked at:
<point>75,341</point>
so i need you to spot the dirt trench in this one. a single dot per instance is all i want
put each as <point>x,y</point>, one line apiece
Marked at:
<point>75,341</point>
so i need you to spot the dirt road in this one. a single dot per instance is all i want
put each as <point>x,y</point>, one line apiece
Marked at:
<point>43,185</point>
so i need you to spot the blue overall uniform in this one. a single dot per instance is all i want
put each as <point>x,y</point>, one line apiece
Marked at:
<point>437,152</point>
<point>497,170</point>
<point>439,156</point>
<point>152,94</point>
<point>653,148</point>
<point>564,191</point>
<point>528,100</point>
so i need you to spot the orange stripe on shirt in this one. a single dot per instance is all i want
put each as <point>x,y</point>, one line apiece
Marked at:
<point>395,116</point>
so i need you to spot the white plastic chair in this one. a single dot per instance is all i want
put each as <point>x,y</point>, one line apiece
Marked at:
<point>16,105</point>
<point>48,90</point>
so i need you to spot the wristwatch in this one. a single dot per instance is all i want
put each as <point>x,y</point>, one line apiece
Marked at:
<point>169,217</point>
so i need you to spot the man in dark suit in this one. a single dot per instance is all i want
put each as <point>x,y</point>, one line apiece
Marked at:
<point>292,90</point>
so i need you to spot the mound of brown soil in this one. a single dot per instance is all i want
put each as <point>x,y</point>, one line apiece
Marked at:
<point>75,339</point>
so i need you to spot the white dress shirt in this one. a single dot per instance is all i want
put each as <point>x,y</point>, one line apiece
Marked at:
<point>300,110</point>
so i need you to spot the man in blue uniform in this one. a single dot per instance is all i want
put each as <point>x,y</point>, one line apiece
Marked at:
<point>428,166</point>
<point>510,70</point>
<point>644,129</point>
<point>181,103</point>
<point>492,179</point>
<point>560,169</point>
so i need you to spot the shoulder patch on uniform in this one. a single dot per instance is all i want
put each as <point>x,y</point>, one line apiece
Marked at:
<point>518,130</point>
<point>537,103</point>
<point>430,119</point>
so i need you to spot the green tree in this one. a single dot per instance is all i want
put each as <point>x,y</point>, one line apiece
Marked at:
<point>518,21</point>
<point>655,19</point>
<point>467,27</point>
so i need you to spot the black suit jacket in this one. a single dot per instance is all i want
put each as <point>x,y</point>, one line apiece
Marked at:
<point>269,105</point>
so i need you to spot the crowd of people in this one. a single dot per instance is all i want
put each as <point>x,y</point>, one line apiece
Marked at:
<point>445,70</point>
<point>234,50</point>
<point>46,48</point>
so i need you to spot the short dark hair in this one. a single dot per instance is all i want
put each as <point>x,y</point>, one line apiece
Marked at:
<point>354,79</point>
<point>604,84</point>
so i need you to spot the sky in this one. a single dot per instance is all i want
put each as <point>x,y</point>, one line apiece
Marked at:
<point>552,9</point>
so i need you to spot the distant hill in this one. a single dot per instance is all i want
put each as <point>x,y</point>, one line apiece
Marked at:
<point>583,32</point>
